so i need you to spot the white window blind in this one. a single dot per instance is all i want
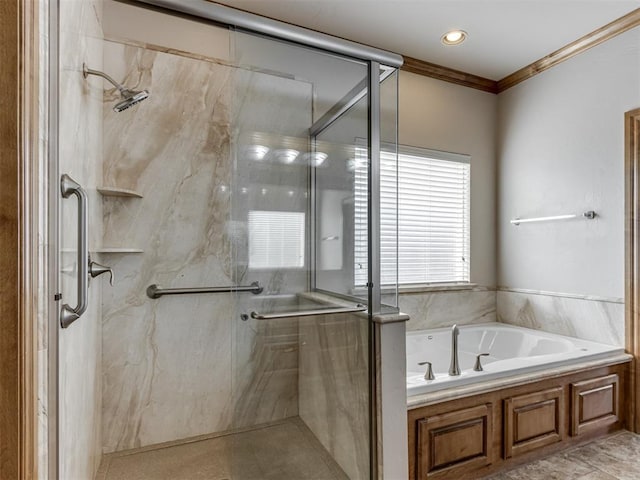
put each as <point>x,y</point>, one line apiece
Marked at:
<point>276,239</point>
<point>433,193</point>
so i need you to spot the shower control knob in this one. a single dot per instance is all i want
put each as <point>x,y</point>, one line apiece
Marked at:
<point>478,365</point>
<point>429,373</point>
<point>95,270</point>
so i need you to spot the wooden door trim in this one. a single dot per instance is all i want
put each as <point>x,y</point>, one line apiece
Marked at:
<point>19,139</point>
<point>29,245</point>
<point>632,263</point>
<point>9,262</point>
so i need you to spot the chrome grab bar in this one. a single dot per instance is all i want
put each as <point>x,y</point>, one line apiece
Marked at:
<point>68,314</point>
<point>308,313</point>
<point>156,291</point>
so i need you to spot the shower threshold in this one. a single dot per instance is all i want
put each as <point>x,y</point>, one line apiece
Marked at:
<point>278,450</point>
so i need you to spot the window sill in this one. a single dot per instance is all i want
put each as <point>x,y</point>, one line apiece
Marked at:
<point>436,287</point>
<point>421,288</point>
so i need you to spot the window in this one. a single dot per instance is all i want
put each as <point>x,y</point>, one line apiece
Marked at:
<point>432,222</point>
<point>276,239</point>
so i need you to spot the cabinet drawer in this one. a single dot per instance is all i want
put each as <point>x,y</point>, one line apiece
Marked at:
<point>533,421</point>
<point>594,404</point>
<point>453,443</point>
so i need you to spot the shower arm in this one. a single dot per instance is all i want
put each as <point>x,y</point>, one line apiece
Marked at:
<point>86,71</point>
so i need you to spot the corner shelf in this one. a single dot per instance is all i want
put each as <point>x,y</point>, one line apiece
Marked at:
<point>117,192</point>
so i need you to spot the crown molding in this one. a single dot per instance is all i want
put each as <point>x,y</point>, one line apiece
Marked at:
<point>609,31</point>
<point>450,75</point>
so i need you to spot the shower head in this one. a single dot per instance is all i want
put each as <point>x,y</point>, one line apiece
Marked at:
<point>129,97</point>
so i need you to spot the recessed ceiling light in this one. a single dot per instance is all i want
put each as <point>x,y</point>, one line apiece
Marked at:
<point>454,37</point>
<point>255,152</point>
<point>286,155</point>
<point>315,159</point>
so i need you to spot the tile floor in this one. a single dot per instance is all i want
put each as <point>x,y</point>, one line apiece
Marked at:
<point>614,457</point>
<point>286,450</point>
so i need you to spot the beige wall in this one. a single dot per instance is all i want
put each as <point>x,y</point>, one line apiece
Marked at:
<point>561,150</point>
<point>448,117</point>
<point>127,22</point>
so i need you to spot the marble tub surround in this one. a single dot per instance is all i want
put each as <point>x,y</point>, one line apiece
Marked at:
<point>182,366</point>
<point>447,307</point>
<point>589,318</point>
<point>462,391</point>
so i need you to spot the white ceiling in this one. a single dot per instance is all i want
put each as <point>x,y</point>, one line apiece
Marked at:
<point>504,35</point>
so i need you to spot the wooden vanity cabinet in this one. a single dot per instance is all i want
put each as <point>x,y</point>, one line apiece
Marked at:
<point>474,436</point>
<point>454,442</point>
<point>533,421</point>
<point>595,403</point>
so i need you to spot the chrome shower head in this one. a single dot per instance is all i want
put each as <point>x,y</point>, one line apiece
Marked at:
<point>129,97</point>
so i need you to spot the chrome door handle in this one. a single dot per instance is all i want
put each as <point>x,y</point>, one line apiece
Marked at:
<point>69,314</point>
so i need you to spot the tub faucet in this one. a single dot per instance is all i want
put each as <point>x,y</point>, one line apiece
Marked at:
<point>454,367</point>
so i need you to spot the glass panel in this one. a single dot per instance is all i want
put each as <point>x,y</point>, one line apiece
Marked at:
<point>342,203</point>
<point>301,385</point>
<point>389,190</point>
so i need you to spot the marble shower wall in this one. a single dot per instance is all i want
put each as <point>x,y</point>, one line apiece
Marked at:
<point>80,156</point>
<point>596,319</point>
<point>182,366</point>
<point>445,308</point>
<point>334,388</point>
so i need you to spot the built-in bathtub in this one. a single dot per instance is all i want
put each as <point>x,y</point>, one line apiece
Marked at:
<point>512,351</point>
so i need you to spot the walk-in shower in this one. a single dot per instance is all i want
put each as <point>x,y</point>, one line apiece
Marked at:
<point>241,217</point>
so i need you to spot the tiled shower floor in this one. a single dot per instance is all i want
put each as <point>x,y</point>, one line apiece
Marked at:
<point>614,457</point>
<point>284,450</point>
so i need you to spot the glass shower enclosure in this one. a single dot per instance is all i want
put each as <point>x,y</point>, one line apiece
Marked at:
<point>246,247</point>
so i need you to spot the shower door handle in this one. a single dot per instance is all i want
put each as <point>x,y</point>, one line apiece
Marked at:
<point>69,314</point>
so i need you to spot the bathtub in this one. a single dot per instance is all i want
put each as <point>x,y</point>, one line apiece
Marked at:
<point>512,351</point>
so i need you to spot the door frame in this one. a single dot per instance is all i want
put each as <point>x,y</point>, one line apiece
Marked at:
<point>19,161</point>
<point>632,262</point>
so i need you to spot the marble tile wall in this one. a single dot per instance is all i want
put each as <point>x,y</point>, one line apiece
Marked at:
<point>43,246</point>
<point>596,319</point>
<point>445,308</point>
<point>80,156</point>
<point>182,366</point>
<point>333,387</point>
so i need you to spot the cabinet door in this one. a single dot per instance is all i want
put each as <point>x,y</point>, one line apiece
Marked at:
<point>453,443</point>
<point>594,404</point>
<point>533,421</point>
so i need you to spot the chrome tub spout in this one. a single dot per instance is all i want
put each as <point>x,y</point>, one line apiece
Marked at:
<point>454,367</point>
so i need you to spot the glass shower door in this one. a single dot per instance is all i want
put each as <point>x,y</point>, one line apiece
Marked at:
<point>301,382</point>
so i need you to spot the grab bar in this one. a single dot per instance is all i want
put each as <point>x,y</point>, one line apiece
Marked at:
<point>308,313</point>
<point>589,215</point>
<point>156,291</point>
<point>68,315</point>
